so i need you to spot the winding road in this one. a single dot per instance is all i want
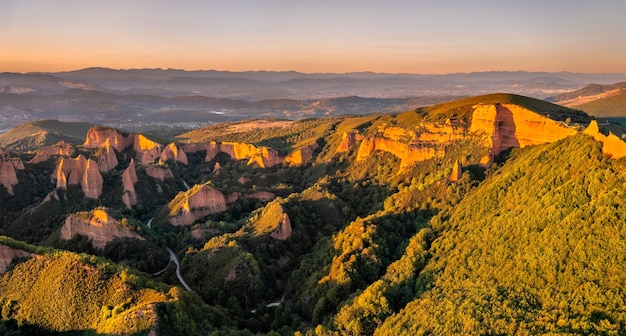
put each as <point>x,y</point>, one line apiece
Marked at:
<point>175,260</point>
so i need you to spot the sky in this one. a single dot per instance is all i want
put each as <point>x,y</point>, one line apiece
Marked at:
<point>393,36</point>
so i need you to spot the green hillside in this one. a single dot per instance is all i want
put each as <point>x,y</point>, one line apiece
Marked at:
<point>612,108</point>
<point>43,133</point>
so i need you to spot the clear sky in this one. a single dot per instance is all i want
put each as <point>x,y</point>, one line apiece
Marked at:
<point>395,36</point>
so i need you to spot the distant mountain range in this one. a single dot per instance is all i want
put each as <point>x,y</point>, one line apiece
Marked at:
<point>138,99</point>
<point>605,101</point>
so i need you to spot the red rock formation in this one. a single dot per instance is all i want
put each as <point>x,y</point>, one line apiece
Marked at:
<point>200,201</point>
<point>7,254</point>
<point>159,172</point>
<point>299,156</point>
<point>262,156</point>
<point>107,159</point>
<point>98,226</point>
<point>509,125</point>
<point>457,172</point>
<point>147,150</point>
<point>612,145</point>
<point>92,182</point>
<point>348,140</point>
<point>61,149</point>
<point>97,135</point>
<point>265,158</point>
<point>408,154</point>
<point>441,133</point>
<point>174,153</point>
<point>129,178</point>
<point>8,176</point>
<point>283,231</point>
<point>70,171</point>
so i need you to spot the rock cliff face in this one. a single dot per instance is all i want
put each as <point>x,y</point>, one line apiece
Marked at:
<point>263,196</point>
<point>8,175</point>
<point>69,171</point>
<point>97,135</point>
<point>612,145</point>
<point>509,125</point>
<point>348,140</point>
<point>107,159</point>
<point>59,149</point>
<point>98,225</point>
<point>457,172</point>
<point>92,182</point>
<point>299,156</point>
<point>129,178</point>
<point>200,201</point>
<point>441,133</point>
<point>283,231</point>
<point>407,153</point>
<point>7,254</point>
<point>159,172</point>
<point>173,152</point>
<point>147,150</point>
<point>262,156</point>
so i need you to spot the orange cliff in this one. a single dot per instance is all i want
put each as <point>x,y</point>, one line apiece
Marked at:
<point>198,202</point>
<point>299,156</point>
<point>8,174</point>
<point>348,140</point>
<point>407,153</point>
<point>513,126</point>
<point>175,153</point>
<point>92,182</point>
<point>262,156</point>
<point>147,150</point>
<point>107,159</point>
<point>79,171</point>
<point>612,145</point>
<point>59,149</point>
<point>98,226</point>
<point>129,178</point>
<point>97,135</point>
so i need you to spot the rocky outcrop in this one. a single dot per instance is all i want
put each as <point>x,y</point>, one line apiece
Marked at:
<point>283,230</point>
<point>129,178</point>
<point>174,153</point>
<point>299,156</point>
<point>147,150</point>
<point>200,201</point>
<point>407,153</point>
<point>612,145</point>
<point>69,171</point>
<point>7,254</point>
<point>509,125</point>
<point>92,182</point>
<point>59,149</point>
<point>107,159</point>
<point>97,135</point>
<point>98,226</point>
<point>441,132</point>
<point>262,156</point>
<point>159,172</point>
<point>457,172</point>
<point>8,174</point>
<point>348,140</point>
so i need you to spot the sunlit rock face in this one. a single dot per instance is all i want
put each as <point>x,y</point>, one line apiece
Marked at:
<point>8,174</point>
<point>97,135</point>
<point>62,149</point>
<point>407,153</point>
<point>198,202</point>
<point>174,153</point>
<point>107,160</point>
<point>513,126</point>
<point>129,178</point>
<point>92,182</point>
<point>98,226</point>
<point>300,156</point>
<point>612,145</point>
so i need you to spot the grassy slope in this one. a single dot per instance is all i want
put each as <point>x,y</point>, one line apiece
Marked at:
<point>43,133</point>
